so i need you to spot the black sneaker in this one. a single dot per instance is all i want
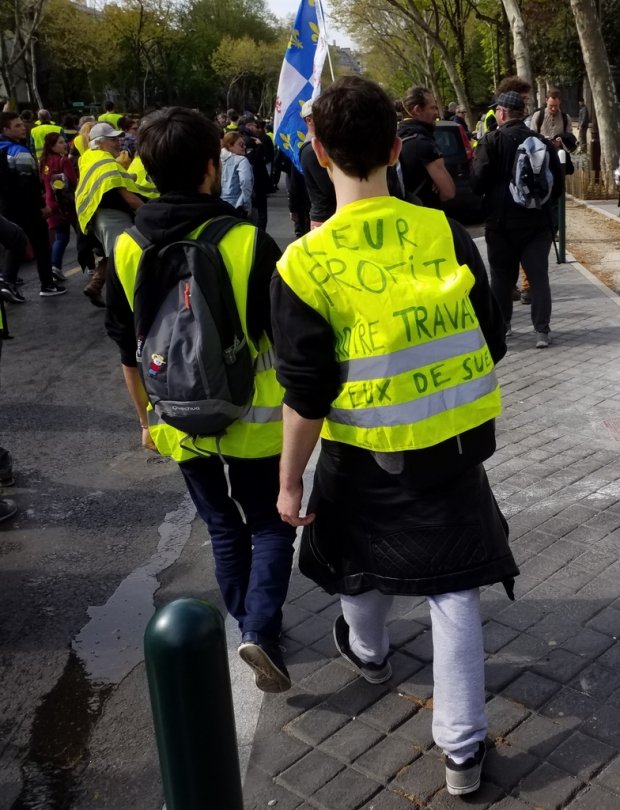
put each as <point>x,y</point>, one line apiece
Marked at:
<point>265,658</point>
<point>526,298</point>
<point>51,290</point>
<point>465,778</point>
<point>10,293</point>
<point>7,509</point>
<point>373,673</point>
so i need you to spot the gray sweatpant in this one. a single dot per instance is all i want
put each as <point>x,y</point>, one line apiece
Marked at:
<point>459,721</point>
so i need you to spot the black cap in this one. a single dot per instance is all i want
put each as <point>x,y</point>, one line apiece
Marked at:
<point>511,101</point>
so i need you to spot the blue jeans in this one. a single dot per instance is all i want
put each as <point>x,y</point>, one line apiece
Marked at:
<point>61,241</point>
<point>253,557</point>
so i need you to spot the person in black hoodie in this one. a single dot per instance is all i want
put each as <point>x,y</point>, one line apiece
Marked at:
<point>232,479</point>
<point>514,234</point>
<point>426,180</point>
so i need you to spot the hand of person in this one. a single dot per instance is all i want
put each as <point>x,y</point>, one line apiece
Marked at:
<point>294,216</point>
<point>147,441</point>
<point>289,506</point>
<point>46,212</point>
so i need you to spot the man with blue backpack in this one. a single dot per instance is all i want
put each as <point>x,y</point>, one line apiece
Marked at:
<point>519,174</point>
<point>188,306</point>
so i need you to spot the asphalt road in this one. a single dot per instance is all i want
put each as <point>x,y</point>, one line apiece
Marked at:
<point>105,533</point>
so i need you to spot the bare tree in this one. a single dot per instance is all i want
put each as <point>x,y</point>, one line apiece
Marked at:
<point>601,81</point>
<point>19,21</point>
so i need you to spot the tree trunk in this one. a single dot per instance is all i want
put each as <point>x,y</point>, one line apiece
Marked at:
<point>33,74</point>
<point>409,9</point>
<point>601,82</point>
<point>520,43</point>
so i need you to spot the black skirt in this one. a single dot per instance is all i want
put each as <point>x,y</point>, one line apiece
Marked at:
<point>383,530</point>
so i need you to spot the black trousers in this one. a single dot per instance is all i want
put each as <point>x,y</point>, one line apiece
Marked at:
<point>35,228</point>
<point>507,249</point>
<point>13,240</point>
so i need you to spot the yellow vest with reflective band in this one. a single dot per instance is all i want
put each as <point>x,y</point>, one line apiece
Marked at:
<point>259,433</point>
<point>99,173</point>
<point>491,113</point>
<point>146,187</point>
<point>4,326</point>
<point>414,364</point>
<point>38,134</point>
<point>111,118</point>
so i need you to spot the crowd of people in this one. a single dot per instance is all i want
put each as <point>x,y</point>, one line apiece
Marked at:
<point>376,331</point>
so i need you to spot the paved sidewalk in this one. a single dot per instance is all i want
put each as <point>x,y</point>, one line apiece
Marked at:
<point>335,742</point>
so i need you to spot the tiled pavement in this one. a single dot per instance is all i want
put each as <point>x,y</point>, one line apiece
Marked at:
<point>335,742</point>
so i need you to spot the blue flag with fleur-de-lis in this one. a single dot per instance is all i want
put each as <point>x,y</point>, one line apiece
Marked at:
<point>300,78</point>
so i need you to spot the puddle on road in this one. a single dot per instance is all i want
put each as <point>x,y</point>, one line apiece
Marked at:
<point>59,737</point>
<point>103,653</point>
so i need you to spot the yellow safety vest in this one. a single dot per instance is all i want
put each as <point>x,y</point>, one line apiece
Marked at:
<point>490,113</point>
<point>414,364</point>
<point>4,325</point>
<point>99,173</point>
<point>111,118</point>
<point>146,187</point>
<point>259,433</point>
<point>38,134</point>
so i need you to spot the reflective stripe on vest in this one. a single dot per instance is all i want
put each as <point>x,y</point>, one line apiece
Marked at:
<point>99,173</point>
<point>414,364</point>
<point>259,433</point>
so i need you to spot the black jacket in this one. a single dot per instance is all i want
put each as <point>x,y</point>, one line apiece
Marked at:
<point>170,218</point>
<point>492,172</point>
<point>419,149</point>
<point>318,185</point>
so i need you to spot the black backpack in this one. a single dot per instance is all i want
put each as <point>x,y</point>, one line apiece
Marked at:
<point>192,353</point>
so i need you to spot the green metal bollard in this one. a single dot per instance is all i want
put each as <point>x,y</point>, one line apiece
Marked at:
<point>562,214</point>
<point>191,699</point>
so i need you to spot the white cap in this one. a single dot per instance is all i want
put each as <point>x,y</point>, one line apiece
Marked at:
<point>104,130</point>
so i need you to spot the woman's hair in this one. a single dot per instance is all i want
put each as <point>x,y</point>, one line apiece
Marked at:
<point>415,97</point>
<point>230,139</point>
<point>51,139</point>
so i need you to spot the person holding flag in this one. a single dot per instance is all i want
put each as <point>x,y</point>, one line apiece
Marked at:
<point>300,78</point>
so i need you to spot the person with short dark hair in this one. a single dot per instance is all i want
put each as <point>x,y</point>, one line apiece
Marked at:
<point>233,478</point>
<point>129,138</point>
<point>110,116</point>
<point>551,120</point>
<point>387,335</point>
<point>22,202</point>
<point>514,234</point>
<point>425,177</point>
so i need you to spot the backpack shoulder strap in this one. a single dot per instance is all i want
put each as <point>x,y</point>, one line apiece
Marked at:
<point>218,227</point>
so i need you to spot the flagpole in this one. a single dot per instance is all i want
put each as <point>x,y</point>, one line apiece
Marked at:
<point>319,6</point>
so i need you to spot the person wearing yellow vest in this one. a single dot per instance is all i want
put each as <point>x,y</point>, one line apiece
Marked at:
<point>233,480</point>
<point>109,116</point>
<point>387,334</point>
<point>42,127</point>
<point>146,187</point>
<point>106,199</point>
